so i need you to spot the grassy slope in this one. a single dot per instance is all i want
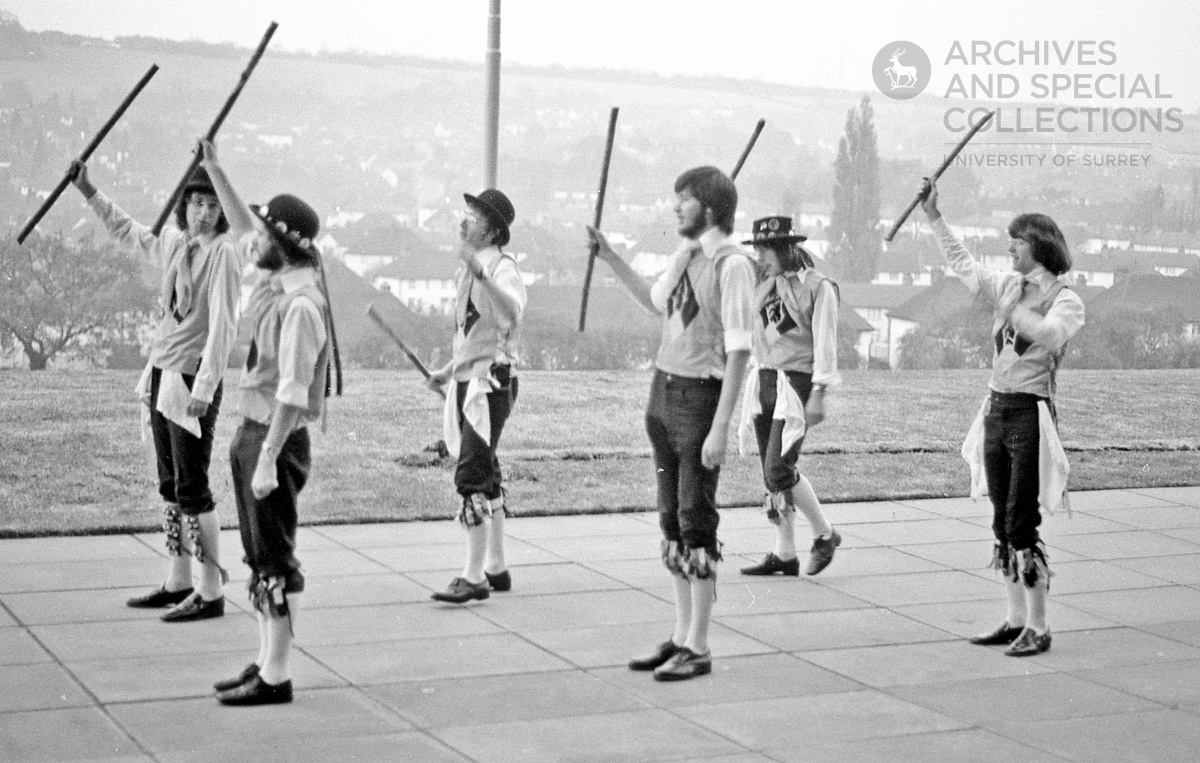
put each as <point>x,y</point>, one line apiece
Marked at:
<point>71,460</point>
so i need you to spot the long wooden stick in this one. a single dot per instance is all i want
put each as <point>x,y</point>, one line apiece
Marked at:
<point>758,128</point>
<point>412,356</point>
<point>216,126</point>
<point>595,248</point>
<point>86,154</point>
<point>933,178</point>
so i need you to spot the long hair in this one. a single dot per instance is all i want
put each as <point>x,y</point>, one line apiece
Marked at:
<point>792,256</point>
<point>181,212</point>
<point>1048,245</point>
<point>714,190</point>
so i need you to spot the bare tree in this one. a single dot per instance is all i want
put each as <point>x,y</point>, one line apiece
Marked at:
<point>57,294</point>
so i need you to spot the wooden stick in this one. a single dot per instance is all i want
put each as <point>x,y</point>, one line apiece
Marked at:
<point>933,178</point>
<point>758,128</point>
<point>337,355</point>
<point>412,356</point>
<point>216,126</point>
<point>595,248</point>
<point>86,154</point>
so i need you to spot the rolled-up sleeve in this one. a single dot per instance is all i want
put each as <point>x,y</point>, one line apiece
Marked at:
<point>660,292</point>
<point>737,302</point>
<point>301,338</point>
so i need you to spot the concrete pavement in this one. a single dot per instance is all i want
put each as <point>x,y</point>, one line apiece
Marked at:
<point>866,662</point>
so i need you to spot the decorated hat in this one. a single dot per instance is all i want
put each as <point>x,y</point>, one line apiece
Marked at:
<point>774,230</point>
<point>498,209</point>
<point>199,181</point>
<point>291,220</point>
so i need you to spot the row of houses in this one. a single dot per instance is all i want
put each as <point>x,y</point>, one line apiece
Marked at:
<point>912,284</point>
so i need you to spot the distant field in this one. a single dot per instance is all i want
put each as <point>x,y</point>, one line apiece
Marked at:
<point>71,460</point>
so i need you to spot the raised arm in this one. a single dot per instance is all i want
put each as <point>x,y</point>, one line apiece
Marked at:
<point>970,271</point>
<point>241,219</point>
<point>633,283</point>
<point>127,232</point>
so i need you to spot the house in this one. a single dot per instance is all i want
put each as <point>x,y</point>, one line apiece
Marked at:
<point>873,303</point>
<point>1106,267</point>
<point>1151,291</point>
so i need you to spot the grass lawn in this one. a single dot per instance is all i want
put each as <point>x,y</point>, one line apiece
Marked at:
<point>71,460</point>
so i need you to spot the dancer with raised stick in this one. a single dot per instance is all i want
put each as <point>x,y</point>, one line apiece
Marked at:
<point>705,297</point>
<point>183,381</point>
<point>85,155</point>
<point>281,392</point>
<point>1014,441</point>
<point>211,135</point>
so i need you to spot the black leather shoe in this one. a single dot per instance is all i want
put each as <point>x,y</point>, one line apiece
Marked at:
<point>771,564</point>
<point>248,672</point>
<point>684,665</point>
<point>257,692</point>
<point>501,581</point>
<point>663,652</point>
<point>461,591</point>
<point>822,552</point>
<point>1002,635</point>
<point>1029,643</point>
<point>158,599</point>
<point>194,608</point>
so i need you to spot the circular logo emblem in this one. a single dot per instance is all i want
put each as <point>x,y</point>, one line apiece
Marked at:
<point>901,70</point>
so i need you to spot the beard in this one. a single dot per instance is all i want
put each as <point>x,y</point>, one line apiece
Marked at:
<point>693,227</point>
<point>271,259</point>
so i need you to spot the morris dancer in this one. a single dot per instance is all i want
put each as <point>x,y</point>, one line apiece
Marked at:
<point>795,349</point>
<point>706,299</point>
<point>481,389</point>
<point>182,383</point>
<point>1014,441</point>
<point>281,392</point>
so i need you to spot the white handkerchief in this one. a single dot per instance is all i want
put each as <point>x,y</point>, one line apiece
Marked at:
<point>173,398</point>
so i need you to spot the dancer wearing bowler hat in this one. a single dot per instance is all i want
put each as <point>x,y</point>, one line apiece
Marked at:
<point>481,387</point>
<point>281,392</point>
<point>181,386</point>
<point>795,351</point>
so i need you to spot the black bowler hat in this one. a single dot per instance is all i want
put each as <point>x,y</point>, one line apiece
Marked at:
<point>774,230</point>
<point>497,207</point>
<point>291,220</point>
<point>199,181</point>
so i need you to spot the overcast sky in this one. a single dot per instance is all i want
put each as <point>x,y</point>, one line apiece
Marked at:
<point>803,43</point>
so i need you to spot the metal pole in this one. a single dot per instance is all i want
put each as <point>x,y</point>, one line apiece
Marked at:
<point>491,120</point>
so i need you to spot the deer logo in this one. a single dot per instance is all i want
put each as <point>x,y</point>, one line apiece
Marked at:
<point>901,76</point>
<point>901,70</point>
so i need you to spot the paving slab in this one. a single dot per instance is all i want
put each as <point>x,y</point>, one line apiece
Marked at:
<point>925,531</point>
<point>388,622</point>
<point>951,507</point>
<point>1139,606</point>
<point>924,663</point>
<point>362,590</point>
<point>144,638</point>
<point>1164,736</point>
<point>503,699</point>
<point>583,526</point>
<point>1156,517</point>
<point>185,675</point>
<point>802,631</point>
<point>1184,631</point>
<point>75,549</point>
<point>18,647</point>
<point>74,576</point>
<point>41,686</point>
<point>791,722</point>
<point>1168,683</point>
<point>617,643</point>
<point>1111,647</point>
<point>974,745</point>
<point>734,679</point>
<point>1093,501</point>
<point>640,735</point>
<point>996,703</point>
<point>1134,544</point>
<point>383,535</point>
<point>914,587</point>
<point>852,513</point>
<point>968,618</point>
<point>1091,576</point>
<point>424,659</point>
<point>1185,495</point>
<point>536,580</point>
<point>76,734</point>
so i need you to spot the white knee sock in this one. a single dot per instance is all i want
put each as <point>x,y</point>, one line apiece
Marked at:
<point>806,502</point>
<point>275,669</point>
<point>210,570</point>
<point>495,563</point>
<point>683,609</point>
